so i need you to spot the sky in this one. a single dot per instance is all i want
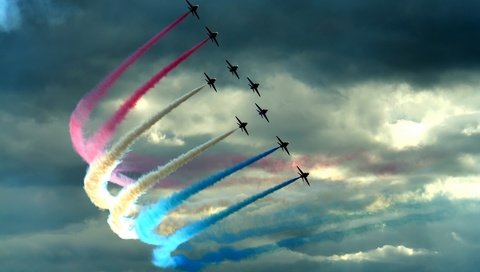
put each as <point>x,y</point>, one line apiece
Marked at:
<point>378,100</point>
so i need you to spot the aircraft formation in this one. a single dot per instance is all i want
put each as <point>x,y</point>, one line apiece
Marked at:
<point>233,69</point>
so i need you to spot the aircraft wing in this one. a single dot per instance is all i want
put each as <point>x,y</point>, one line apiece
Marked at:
<point>196,14</point>
<point>306,180</point>
<point>286,150</point>
<point>236,74</point>
<point>258,107</point>
<point>249,80</point>
<point>256,90</point>
<point>213,85</point>
<point>246,131</point>
<point>266,118</point>
<point>215,40</point>
<point>207,76</point>
<point>209,31</point>
<point>239,122</point>
<point>229,64</point>
<point>300,170</point>
<point>189,4</point>
<point>278,139</point>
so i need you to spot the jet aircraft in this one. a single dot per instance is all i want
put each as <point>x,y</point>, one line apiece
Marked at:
<point>242,125</point>
<point>283,145</point>
<point>210,81</point>
<point>233,69</point>
<point>253,86</point>
<point>212,36</point>
<point>303,175</point>
<point>262,112</point>
<point>193,9</point>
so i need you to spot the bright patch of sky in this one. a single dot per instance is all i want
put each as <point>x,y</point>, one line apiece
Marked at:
<point>10,18</point>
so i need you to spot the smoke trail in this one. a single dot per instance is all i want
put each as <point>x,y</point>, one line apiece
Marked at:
<point>162,255</point>
<point>84,108</point>
<point>98,141</point>
<point>150,216</point>
<point>231,253</point>
<point>96,179</point>
<point>129,195</point>
<point>313,221</point>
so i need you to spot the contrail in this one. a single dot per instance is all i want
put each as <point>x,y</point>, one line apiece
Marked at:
<point>162,255</point>
<point>128,195</point>
<point>96,179</point>
<point>152,215</point>
<point>85,107</point>
<point>98,141</point>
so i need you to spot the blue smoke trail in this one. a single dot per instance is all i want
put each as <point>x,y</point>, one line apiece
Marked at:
<point>150,217</point>
<point>230,238</point>
<point>162,255</point>
<point>233,254</point>
<point>313,221</point>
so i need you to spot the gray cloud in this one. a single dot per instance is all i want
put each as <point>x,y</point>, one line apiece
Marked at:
<point>416,42</point>
<point>333,76</point>
<point>75,247</point>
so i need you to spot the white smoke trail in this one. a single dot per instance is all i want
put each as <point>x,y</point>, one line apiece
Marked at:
<point>96,179</point>
<point>125,201</point>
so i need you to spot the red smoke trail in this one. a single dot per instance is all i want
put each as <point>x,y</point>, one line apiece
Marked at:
<point>83,109</point>
<point>97,142</point>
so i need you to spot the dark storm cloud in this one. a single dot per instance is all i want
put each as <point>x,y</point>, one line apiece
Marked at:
<point>48,66</point>
<point>318,41</point>
<point>87,245</point>
<point>38,208</point>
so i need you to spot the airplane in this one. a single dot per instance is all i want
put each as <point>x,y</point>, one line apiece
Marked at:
<point>242,125</point>
<point>283,145</point>
<point>233,69</point>
<point>212,36</point>
<point>253,86</point>
<point>262,112</point>
<point>303,175</point>
<point>210,81</point>
<point>193,9</point>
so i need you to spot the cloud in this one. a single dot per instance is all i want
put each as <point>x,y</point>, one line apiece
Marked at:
<point>75,247</point>
<point>10,17</point>
<point>379,101</point>
<point>39,208</point>
<point>14,13</point>
<point>386,253</point>
<point>54,13</point>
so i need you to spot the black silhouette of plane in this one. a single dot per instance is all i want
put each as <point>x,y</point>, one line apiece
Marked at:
<point>283,145</point>
<point>212,36</point>
<point>253,86</point>
<point>233,69</point>
<point>210,81</point>
<point>262,112</point>
<point>242,125</point>
<point>193,9</point>
<point>303,175</point>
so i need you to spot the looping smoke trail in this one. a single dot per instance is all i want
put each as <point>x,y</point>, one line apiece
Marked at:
<point>99,172</point>
<point>162,255</point>
<point>128,196</point>
<point>84,108</point>
<point>150,216</point>
<point>98,141</point>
